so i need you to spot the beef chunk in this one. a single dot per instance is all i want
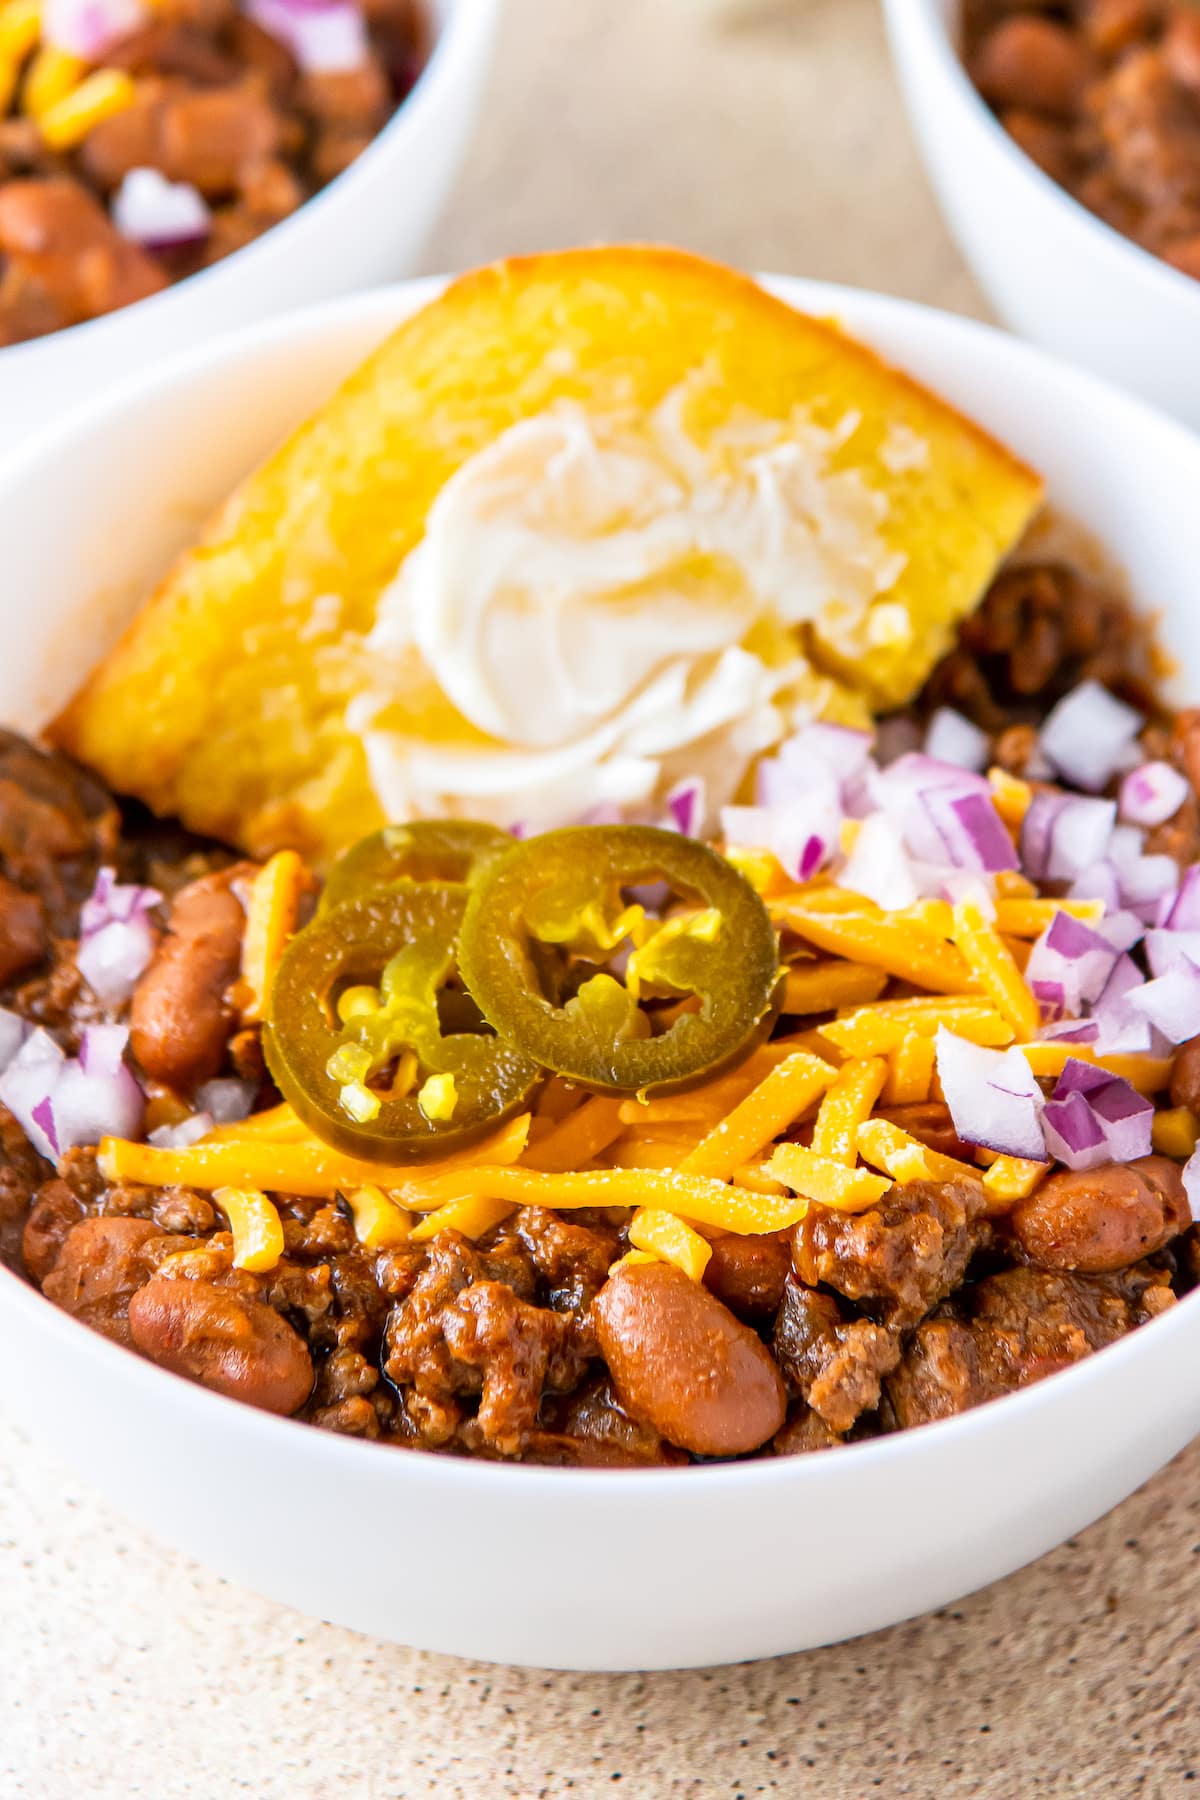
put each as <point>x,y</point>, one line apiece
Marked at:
<point>833,1362</point>
<point>1015,1328</point>
<point>901,1256</point>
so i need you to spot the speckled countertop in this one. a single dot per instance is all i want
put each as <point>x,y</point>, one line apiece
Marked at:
<point>128,1673</point>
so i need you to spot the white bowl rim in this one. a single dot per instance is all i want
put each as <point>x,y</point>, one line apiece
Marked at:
<point>437,75</point>
<point>937,36</point>
<point>874,1455</point>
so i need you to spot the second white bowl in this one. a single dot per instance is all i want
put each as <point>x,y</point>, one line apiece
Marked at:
<point>366,227</point>
<point>1052,270</point>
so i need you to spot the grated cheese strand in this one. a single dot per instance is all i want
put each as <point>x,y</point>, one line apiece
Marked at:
<point>906,1158</point>
<point>784,1096</point>
<point>910,1070</point>
<point>824,986</point>
<point>671,1239</point>
<point>271,918</point>
<point>255,1225</point>
<point>848,1102</point>
<point>901,947</point>
<point>992,964</point>
<point>473,1215</point>
<point>819,1178</point>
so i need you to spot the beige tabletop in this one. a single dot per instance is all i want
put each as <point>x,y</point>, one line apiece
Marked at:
<point>129,1673</point>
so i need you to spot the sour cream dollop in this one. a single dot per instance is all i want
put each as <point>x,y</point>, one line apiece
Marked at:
<point>599,606</point>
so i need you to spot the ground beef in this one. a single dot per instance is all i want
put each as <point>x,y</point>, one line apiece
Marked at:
<point>1041,630</point>
<point>900,1257</point>
<point>834,1362</point>
<point>1014,1328</point>
<point>463,1330</point>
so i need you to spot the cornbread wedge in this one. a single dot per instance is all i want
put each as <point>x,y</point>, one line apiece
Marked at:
<point>226,701</point>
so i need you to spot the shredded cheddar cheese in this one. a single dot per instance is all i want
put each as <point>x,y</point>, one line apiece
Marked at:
<point>1022,918</point>
<point>99,96</point>
<point>910,1070</point>
<point>53,74</point>
<point>255,1225</point>
<point>1175,1132</point>
<point>1010,797</point>
<point>825,986</point>
<point>272,914</point>
<point>20,28</point>
<point>782,1097</point>
<point>906,1158</point>
<point>580,1137</point>
<point>379,1224</point>
<point>819,1178</point>
<point>473,1215</point>
<point>992,965</point>
<point>899,946</point>
<point>845,1106</point>
<point>671,1238</point>
<point>1012,1178</point>
<point>879,1030</point>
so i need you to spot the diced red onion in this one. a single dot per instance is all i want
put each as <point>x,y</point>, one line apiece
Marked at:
<point>878,865</point>
<point>325,39</point>
<point>89,28</point>
<point>1123,1030</point>
<point>1120,929</point>
<point>994,1100</point>
<point>1094,1117</point>
<point>1146,882</point>
<point>1171,1003</point>
<point>1071,959</point>
<point>14,1030</point>
<point>972,831</point>
<point>116,937</point>
<point>687,805</point>
<point>226,1099</point>
<point>1167,950</point>
<point>1152,793</point>
<point>179,1136</point>
<point>1086,735</point>
<point>801,834</point>
<point>160,214</point>
<point>950,738</point>
<point>1073,1133</point>
<point>841,748</point>
<point>1071,1031</point>
<point>1185,914</point>
<point>1099,882</point>
<point>1063,834</point>
<point>26,1086</point>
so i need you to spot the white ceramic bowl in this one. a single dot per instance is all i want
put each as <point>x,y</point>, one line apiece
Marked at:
<point>1051,269</point>
<point>682,1566</point>
<point>368,226</point>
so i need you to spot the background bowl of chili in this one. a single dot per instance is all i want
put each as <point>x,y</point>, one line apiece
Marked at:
<point>614,1569</point>
<point>366,226</point>
<point>1053,270</point>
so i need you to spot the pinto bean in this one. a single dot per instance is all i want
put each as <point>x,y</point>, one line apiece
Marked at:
<point>1185,1075</point>
<point>681,1361</point>
<point>749,1274</point>
<point>1099,1220</point>
<point>23,937</point>
<point>97,1271</point>
<point>1031,63</point>
<point>61,239</point>
<point>205,136</point>
<point>236,1346</point>
<point>56,1210</point>
<point>180,1020</point>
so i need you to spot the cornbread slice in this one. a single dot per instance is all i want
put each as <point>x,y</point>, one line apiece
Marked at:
<point>226,700</point>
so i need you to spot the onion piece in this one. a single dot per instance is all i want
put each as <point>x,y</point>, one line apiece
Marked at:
<point>325,39</point>
<point>1171,1003</point>
<point>227,1099</point>
<point>687,805</point>
<point>951,738</point>
<point>1167,950</point>
<point>116,938</point>
<point>1152,793</point>
<point>1073,1134</point>
<point>1087,734</point>
<point>14,1031</point>
<point>878,865</point>
<point>179,1136</point>
<point>89,28</point>
<point>26,1086</point>
<point>1073,959</point>
<point>1093,1118</point>
<point>1185,914</point>
<point>1063,834</point>
<point>160,214</point>
<point>993,1097</point>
